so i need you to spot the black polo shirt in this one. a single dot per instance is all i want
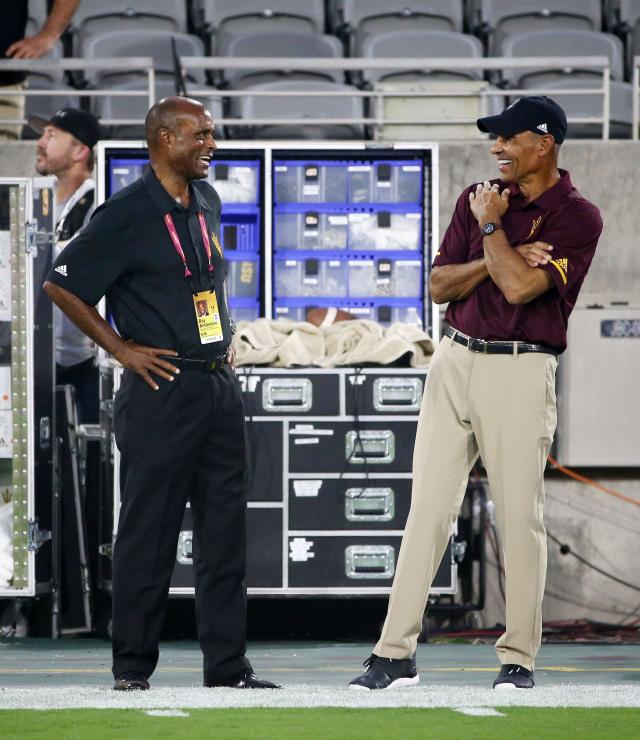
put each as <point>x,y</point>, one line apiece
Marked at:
<point>126,254</point>
<point>560,217</point>
<point>13,27</point>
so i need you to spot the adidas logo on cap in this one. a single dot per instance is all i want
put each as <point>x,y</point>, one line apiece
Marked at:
<point>62,269</point>
<point>542,127</point>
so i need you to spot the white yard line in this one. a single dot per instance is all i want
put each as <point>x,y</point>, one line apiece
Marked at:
<point>453,697</point>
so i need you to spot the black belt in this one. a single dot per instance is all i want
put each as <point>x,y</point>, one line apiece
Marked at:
<point>210,365</point>
<point>498,347</point>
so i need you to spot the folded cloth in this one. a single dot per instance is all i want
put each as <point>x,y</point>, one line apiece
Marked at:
<point>280,343</point>
<point>286,343</point>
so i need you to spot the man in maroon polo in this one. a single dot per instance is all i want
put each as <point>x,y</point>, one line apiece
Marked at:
<point>510,267</point>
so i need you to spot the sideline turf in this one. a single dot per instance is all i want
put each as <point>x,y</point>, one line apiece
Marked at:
<point>324,724</point>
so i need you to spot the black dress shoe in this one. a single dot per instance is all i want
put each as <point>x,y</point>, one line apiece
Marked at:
<point>131,681</point>
<point>514,676</point>
<point>244,680</point>
<point>386,673</point>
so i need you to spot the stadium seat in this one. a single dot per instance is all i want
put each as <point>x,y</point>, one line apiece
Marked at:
<point>37,16</point>
<point>560,43</point>
<point>296,44</point>
<point>120,107</point>
<point>46,105</point>
<point>222,19</point>
<point>500,18</point>
<point>97,16</point>
<point>361,18</point>
<point>590,106</point>
<point>420,43</point>
<point>437,103</point>
<point>623,18</point>
<point>299,107</point>
<point>53,73</point>
<point>156,44</point>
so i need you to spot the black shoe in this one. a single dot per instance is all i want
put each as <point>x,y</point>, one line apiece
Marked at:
<point>131,681</point>
<point>386,673</point>
<point>514,676</point>
<point>245,680</point>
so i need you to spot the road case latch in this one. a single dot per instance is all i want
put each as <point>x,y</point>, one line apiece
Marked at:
<point>287,394</point>
<point>185,548</point>
<point>37,536</point>
<point>370,446</point>
<point>458,550</point>
<point>106,549</point>
<point>370,561</point>
<point>36,238</point>
<point>397,394</point>
<point>369,504</point>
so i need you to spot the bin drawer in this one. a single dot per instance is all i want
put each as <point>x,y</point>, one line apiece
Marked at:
<point>340,447</point>
<point>360,503</point>
<point>286,394</point>
<point>380,393</point>
<point>310,230</point>
<point>264,550</point>
<point>308,182</point>
<point>310,277</point>
<point>343,561</point>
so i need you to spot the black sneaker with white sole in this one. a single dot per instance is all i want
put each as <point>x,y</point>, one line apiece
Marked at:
<point>386,673</point>
<point>514,676</point>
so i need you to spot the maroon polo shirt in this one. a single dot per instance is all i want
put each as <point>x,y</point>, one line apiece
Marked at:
<point>561,217</point>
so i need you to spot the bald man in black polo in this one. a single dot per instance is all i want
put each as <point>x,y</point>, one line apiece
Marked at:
<point>510,266</point>
<point>153,250</point>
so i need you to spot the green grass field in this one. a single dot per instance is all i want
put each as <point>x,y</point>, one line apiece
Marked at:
<point>324,724</point>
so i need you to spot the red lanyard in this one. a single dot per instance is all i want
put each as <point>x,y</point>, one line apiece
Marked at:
<point>178,246</point>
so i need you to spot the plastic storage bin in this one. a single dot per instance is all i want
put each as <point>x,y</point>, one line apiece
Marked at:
<point>310,277</point>
<point>385,230</point>
<point>240,232</point>
<point>244,310</point>
<point>243,275</point>
<point>385,182</point>
<point>311,230</point>
<point>385,276</point>
<point>308,182</point>
<point>383,311</point>
<point>235,182</point>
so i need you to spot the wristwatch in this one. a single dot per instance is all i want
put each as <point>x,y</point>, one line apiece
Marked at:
<point>489,228</point>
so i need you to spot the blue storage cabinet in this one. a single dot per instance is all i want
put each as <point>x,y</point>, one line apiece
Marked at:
<point>238,182</point>
<point>238,178</point>
<point>349,232</point>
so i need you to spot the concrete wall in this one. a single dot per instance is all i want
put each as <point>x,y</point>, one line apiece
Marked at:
<point>602,529</point>
<point>604,172</point>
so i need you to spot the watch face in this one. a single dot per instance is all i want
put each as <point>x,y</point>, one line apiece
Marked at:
<point>488,229</point>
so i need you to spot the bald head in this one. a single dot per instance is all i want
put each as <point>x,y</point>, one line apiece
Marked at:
<point>166,114</point>
<point>179,135</point>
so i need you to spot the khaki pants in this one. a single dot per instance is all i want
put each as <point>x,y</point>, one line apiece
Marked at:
<point>11,106</point>
<point>502,407</point>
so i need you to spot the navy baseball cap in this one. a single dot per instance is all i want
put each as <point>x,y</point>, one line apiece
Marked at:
<point>536,113</point>
<point>84,126</point>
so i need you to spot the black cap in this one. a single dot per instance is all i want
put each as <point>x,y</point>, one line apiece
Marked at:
<point>84,126</point>
<point>536,113</point>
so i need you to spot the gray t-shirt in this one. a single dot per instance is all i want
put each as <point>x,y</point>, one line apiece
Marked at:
<point>72,345</point>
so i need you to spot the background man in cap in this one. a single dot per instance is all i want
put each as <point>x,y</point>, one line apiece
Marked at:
<point>510,267</point>
<point>13,44</point>
<point>65,149</point>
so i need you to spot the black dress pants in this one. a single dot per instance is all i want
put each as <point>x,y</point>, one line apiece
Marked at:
<point>183,442</point>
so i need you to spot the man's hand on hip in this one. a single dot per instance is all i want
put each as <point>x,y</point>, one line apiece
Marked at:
<point>146,360</point>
